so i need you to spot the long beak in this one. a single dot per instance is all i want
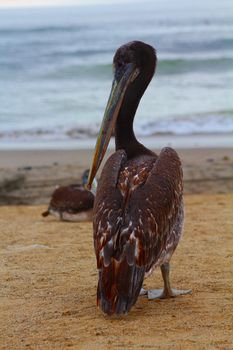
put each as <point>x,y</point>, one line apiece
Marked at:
<point>110,117</point>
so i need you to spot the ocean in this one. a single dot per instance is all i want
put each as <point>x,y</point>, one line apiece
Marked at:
<point>56,70</point>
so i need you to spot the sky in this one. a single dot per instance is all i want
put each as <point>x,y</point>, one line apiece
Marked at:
<point>21,3</point>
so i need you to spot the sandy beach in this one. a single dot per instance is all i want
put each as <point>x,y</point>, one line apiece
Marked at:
<point>48,275</point>
<point>48,285</point>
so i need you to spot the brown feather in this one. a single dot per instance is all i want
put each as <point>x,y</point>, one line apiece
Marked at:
<point>134,220</point>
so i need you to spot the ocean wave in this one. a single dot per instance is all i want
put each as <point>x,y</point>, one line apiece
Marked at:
<point>189,65</point>
<point>203,123</point>
<point>165,67</point>
<point>216,123</point>
<point>85,68</point>
<point>42,29</point>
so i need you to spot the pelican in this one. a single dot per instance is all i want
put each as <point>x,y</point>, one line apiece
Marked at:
<point>73,202</point>
<point>138,210</point>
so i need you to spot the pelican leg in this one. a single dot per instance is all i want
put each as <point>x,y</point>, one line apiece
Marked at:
<point>167,291</point>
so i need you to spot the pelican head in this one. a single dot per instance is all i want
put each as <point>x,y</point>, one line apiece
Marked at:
<point>133,66</point>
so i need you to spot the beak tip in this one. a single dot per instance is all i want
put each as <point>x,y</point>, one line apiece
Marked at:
<point>88,186</point>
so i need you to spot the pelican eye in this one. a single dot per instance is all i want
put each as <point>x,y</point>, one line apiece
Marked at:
<point>135,74</point>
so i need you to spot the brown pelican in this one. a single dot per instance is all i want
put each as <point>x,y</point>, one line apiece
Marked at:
<point>72,203</point>
<point>138,209</point>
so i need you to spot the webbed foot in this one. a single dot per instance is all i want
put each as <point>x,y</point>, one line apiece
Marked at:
<point>167,292</point>
<point>161,294</point>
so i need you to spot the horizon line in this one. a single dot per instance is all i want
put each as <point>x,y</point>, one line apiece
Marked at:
<point>60,3</point>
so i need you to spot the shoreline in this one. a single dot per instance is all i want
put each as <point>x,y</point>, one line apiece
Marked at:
<point>215,140</point>
<point>14,158</point>
<point>30,176</point>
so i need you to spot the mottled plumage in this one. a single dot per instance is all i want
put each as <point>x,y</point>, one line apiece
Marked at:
<point>138,209</point>
<point>71,203</point>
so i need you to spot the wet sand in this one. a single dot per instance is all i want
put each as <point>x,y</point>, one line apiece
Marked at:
<point>48,283</point>
<point>29,177</point>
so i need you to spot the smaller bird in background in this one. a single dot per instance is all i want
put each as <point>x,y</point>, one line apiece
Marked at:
<point>72,202</point>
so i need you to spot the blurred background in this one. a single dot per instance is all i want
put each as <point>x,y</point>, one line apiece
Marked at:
<point>55,70</point>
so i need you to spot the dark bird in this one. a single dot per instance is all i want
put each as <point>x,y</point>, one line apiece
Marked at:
<point>138,210</point>
<point>72,203</point>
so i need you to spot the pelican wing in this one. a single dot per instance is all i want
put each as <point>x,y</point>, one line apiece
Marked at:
<point>120,279</point>
<point>108,203</point>
<point>157,209</point>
